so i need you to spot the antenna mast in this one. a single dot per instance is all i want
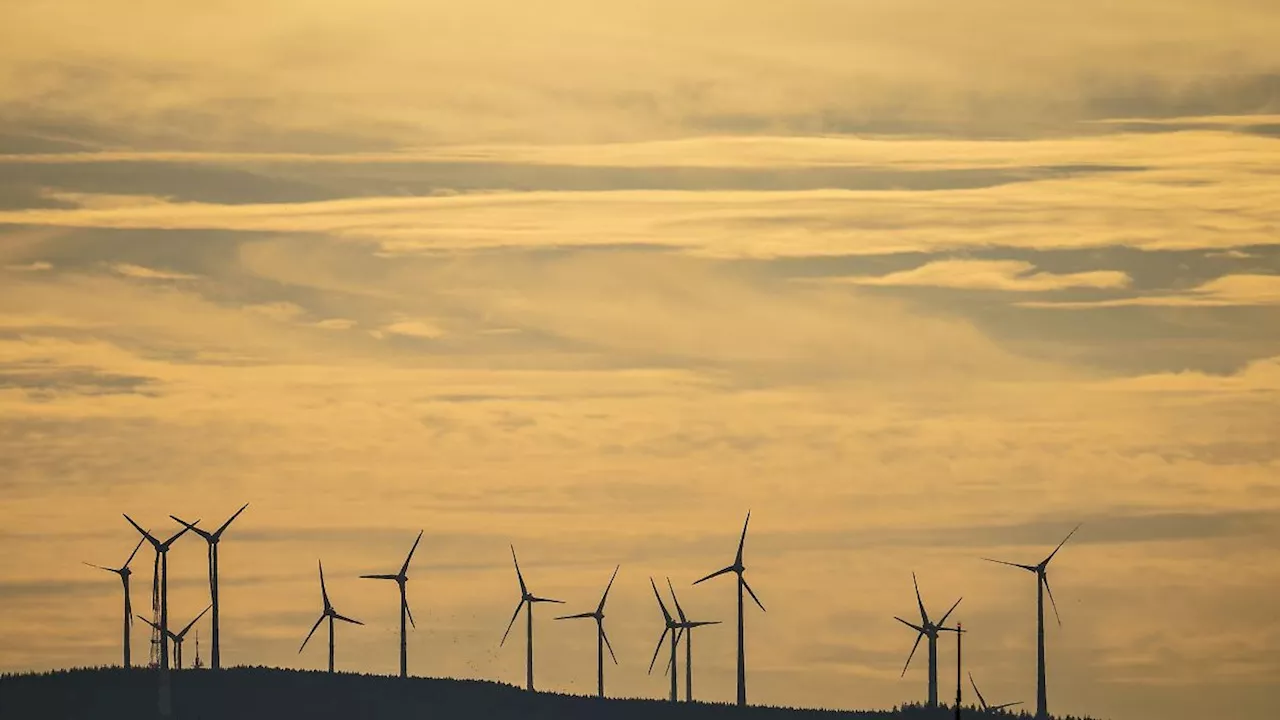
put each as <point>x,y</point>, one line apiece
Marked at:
<point>197,664</point>
<point>155,613</point>
<point>959,640</point>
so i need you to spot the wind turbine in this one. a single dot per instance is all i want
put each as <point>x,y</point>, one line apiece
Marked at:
<point>124,572</point>
<point>401,578</point>
<point>927,628</point>
<point>212,538</point>
<point>179,636</point>
<point>673,627</point>
<point>526,598</point>
<point>738,568</point>
<point>983,701</point>
<point>330,613</point>
<point>1042,586</point>
<point>602,640</point>
<point>162,552</point>
<point>687,626</point>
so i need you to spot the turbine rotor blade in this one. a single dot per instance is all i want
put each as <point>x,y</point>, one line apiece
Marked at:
<point>404,569</point>
<point>742,542</point>
<point>658,649</point>
<point>665,614</point>
<point>344,618</point>
<point>1064,542</point>
<point>135,552</point>
<point>148,622</point>
<point>380,577</point>
<point>913,654</point>
<point>714,574</point>
<point>323,592</point>
<point>545,600</point>
<point>977,692</point>
<point>145,535</point>
<point>579,616</point>
<point>607,644</point>
<point>1005,705</point>
<point>184,630</point>
<point>943,621</point>
<point>524,590</point>
<point>1032,568</point>
<point>607,588</point>
<point>747,585</point>
<point>924,616</point>
<point>409,612</point>
<point>191,526</point>
<point>1045,579</point>
<point>913,626</point>
<point>679,610</point>
<point>511,624</point>
<point>100,567</point>
<point>308,638</point>
<point>218,533</point>
<point>179,534</point>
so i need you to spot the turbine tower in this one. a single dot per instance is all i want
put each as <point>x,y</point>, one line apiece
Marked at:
<point>179,636</point>
<point>212,539</point>
<point>983,701</point>
<point>602,640</point>
<point>928,629</point>
<point>687,626</point>
<point>1042,587</point>
<point>738,568</point>
<point>124,572</point>
<point>673,627</point>
<point>526,599</point>
<point>329,613</point>
<point>401,578</point>
<point>162,552</point>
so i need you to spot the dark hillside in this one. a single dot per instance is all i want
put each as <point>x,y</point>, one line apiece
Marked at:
<point>271,694</point>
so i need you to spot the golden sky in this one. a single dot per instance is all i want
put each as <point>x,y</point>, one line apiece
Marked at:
<point>915,281</point>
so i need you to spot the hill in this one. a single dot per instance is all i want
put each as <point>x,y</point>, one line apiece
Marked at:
<point>252,693</point>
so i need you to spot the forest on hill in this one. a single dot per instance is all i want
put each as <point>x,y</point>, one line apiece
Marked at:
<point>256,693</point>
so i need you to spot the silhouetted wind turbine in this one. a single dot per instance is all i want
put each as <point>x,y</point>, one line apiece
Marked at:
<point>673,628</point>
<point>162,550</point>
<point>124,572</point>
<point>212,538</point>
<point>738,568</point>
<point>179,636</point>
<point>602,640</point>
<point>526,598</point>
<point>687,626</point>
<point>1042,586</point>
<point>401,578</point>
<point>330,613</point>
<point>983,701</point>
<point>928,629</point>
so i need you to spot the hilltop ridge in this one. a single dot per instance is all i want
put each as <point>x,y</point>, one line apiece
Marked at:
<point>259,693</point>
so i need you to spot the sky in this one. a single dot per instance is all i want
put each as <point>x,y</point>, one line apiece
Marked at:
<point>916,282</point>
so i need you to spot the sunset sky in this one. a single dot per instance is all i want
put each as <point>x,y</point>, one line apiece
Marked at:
<point>916,282</point>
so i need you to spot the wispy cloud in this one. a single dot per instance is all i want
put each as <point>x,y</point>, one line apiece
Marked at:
<point>146,273</point>
<point>1227,291</point>
<point>1009,275</point>
<point>38,266</point>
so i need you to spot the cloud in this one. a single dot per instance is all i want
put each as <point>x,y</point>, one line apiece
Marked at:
<point>415,328</point>
<point>37,266</point>
<point>1011,275</point>
<point>146,273</point>
<point>279,311</point>
<point>336,324</point>
<point>1226,291</point>
<point>1259,376</point>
